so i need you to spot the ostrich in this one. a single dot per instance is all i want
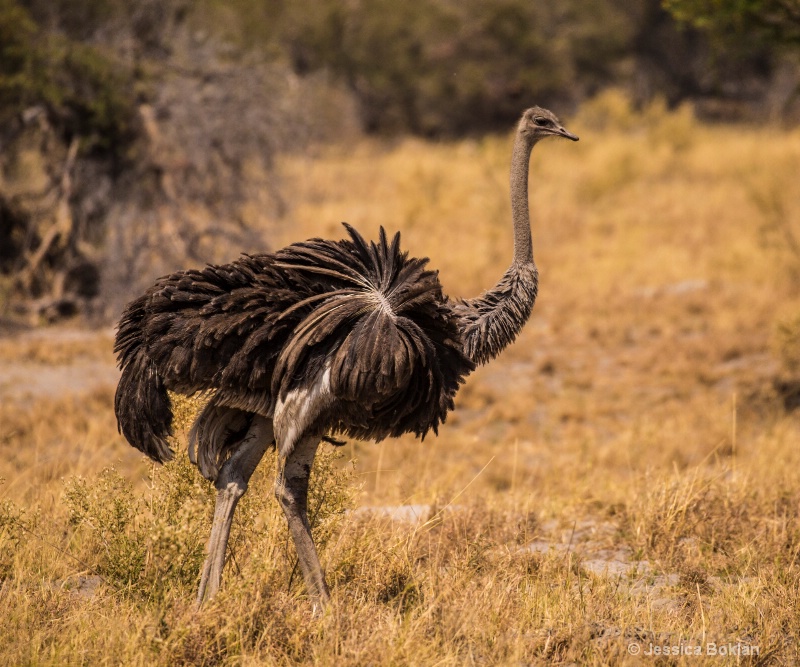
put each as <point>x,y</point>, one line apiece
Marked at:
<point>318,338</point>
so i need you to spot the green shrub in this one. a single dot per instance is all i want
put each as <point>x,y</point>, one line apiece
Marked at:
<point>87,90</point>
<point>14,526</point>
<point>438,68</point>
<point>153,543</point>
<point>148,544</point>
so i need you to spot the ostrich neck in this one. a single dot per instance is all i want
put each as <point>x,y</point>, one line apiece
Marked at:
<point>492,321</point>
<point>520,161</point>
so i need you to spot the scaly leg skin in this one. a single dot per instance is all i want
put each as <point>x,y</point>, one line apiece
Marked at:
<point>231,484</point>
<point>291,490</point>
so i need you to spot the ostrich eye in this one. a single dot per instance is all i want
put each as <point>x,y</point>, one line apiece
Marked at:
<point>541,122</point>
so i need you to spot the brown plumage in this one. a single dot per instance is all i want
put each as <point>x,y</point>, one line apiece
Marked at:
<point>320,337</point>
<point>258,328</point>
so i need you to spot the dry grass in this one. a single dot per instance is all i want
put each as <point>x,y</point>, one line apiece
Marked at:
<point>627,472</point>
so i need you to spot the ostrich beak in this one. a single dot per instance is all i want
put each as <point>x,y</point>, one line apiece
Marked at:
<point>562,132</point>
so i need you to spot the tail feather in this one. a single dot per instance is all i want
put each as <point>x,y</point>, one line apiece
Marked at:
<point>381,324</point>
<point>142,405</point>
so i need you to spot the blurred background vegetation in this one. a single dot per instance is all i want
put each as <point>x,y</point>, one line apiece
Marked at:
<point>136,135</point>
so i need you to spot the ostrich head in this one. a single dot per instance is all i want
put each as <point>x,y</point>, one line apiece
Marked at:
<point>538,123</point>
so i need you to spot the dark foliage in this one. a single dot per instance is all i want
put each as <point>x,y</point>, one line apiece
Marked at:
<point>452,67</point>
<point>767,21</point>
<point>130,144</point>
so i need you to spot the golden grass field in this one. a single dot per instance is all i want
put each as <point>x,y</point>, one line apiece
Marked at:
<point>626,475</point>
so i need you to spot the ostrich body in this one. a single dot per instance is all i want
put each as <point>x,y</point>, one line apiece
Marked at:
<point>320,337</point>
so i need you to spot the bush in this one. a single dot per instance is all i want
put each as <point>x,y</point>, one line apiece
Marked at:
<point>451,68</point>
<point>15,525</point>
<point>86,90</point>
<point>145,544</point>
<point>154,543</point>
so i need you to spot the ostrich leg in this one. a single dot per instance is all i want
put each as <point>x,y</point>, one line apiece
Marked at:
<point>231,484</point>
<point>291,490</point>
